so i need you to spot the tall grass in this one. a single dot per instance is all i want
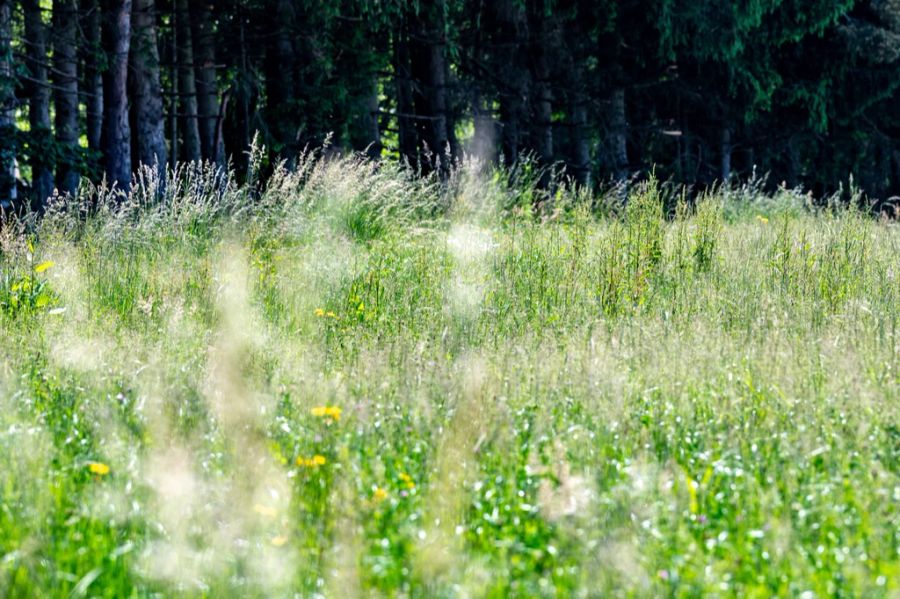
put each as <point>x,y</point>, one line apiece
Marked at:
<point>353,382</point>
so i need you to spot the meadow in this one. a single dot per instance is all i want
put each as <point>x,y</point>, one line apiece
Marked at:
<point>354,382</point>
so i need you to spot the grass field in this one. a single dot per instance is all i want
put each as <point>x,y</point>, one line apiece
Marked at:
<point>354,383</point>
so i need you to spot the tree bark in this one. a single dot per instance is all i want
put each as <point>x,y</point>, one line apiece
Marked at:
<point>65,79</point>
<point>150,132</point>
<point>8,195</point>
<point>39,102</point>
<point>203,36</point>
<point>93,79</point>
<point>116,137</point>
<point>191,150</point>
<point>620,134</point>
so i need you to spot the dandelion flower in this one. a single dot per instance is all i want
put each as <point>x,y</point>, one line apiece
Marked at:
<point>407,479</point>
<point>332,412</point>
<point>98,468</point>
<point>313,462</point>
<point>320,312</point>
<point>379,495</point>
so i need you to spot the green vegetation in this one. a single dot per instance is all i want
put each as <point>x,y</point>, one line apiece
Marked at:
<point>357,382</point>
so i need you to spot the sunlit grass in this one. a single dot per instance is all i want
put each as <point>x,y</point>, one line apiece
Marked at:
<point>354,382</point>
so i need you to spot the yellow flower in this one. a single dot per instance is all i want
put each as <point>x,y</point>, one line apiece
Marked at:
<point>332,412</point>
<point>408,480</point>
<point>98,468</point>
<point>43,266</point>
<point>330,314</point>
<point>279,540</point>
<point>379,495</point>
<point>320,312</point>
<point>762,219</point>
<point>313,462</point>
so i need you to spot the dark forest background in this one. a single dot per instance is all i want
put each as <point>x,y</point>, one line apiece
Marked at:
<point>699,90</point>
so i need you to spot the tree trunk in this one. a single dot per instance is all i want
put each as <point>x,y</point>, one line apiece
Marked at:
<point>429,69</point>
<point>244,95</point>
<point>65,79</point>
<point>726,149</point>
<point>370,132</point>
<point>39,102</point>
<point>437,97</point>
<point>794,166</point>
<point>542,123</point>
<point>619,134</point>
<point>484,141</point>
<point>280,80</point>
<point>203,36</point>
<point>406,124</point>
<point>581,152</point>
<point>168,46</point>
<point>895,179</point>
<point>150,132</point>
<point>451,82</point>
<point>512,37</point>
<point>116,138</point>
<point>510,116</point>
<point>187,89</point>
<point>8,194</point>
<point>93,79</point>
<point>483,145</point>
<point>543,120</point>
<point>243,90</point>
